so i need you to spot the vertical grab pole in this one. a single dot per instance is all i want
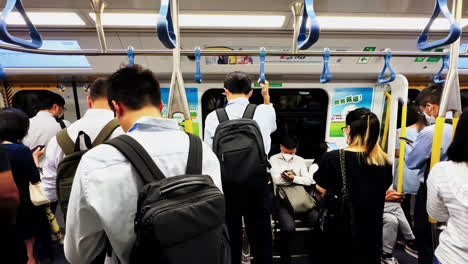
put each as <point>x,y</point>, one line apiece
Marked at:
<point>177,97</point>
<point>98,7</point>
<point>296,9</point>
<point>401,161</point>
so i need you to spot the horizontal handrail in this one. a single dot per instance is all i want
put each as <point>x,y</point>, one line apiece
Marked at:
<point>115,52</point>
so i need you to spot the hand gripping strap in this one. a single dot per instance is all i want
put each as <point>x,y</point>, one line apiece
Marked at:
<point>138,157</point>
<point>262,64</point>
<point>308,19</point>
<point>36,39</point>
<point>165,27</point>
<point>198,77</point>
<point>445,65</point>
<point>455,30</point>
<point>387,66</point>
<point>326,74</point>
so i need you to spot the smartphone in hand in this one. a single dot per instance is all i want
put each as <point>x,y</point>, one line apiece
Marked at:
<point>40,147</point>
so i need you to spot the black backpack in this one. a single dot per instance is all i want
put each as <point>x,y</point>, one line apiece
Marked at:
<point>179,219</point>
<point>239,146</point>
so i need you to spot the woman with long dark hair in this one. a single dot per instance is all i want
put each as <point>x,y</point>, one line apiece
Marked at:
<point>368,176</point>
<point>447,198</point>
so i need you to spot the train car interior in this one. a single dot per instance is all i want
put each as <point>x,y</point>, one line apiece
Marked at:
<point>322,59</point>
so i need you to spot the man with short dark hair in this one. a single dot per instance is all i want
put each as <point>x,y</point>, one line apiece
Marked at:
<point>46,124</point>
<point>103,201</point>
<point>428,102</point>
<point>94,120</point>
<point>241,203</point>
<point>288,169</point>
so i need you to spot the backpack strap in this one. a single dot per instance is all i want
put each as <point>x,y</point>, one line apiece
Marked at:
<point>65,142</point>
<point>61,123</point>
<point>138,157</point>
<point>87,141</point>
<point>106,132</point>
<point>195,156</point>
<point>222,115</point>
<point>249,111</point>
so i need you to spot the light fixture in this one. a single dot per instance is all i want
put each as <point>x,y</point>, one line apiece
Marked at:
<point>194,20</point>
<point>382,23</point>
<point>46,19</point>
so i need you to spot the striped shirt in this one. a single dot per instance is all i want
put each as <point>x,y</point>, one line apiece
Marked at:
<point>447,201</point>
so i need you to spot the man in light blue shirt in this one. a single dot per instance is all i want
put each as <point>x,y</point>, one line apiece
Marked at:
<point>104,197</point>
<point>419,157</point>
<point>251,205</point>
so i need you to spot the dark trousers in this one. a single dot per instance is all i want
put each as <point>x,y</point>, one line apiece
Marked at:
<point>287,229</point>
<point>254,207</point>
<point>423,231</point>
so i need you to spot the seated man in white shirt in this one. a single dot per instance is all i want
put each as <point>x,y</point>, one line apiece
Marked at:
<point>286,169</point>
<point>103,201</point>
<point>94,120</point>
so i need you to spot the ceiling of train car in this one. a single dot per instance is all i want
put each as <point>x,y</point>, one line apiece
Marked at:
<point>326,6</point>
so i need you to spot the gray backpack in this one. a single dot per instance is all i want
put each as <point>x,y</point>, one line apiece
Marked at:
<point>179,219</point>
<point>239,146</point>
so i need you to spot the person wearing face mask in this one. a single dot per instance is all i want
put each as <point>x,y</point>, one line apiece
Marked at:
<point>286,169</point>
<point>418,158</point>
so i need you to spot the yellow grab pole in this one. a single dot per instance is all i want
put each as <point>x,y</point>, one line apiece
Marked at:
<point>437,141</point>
<point>387,119</point>
<point>401,162</point>
<point>188,124</point>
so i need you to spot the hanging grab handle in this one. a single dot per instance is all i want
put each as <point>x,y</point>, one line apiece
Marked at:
<point>36,38</point>
<point>131,56</point>
<point>262,65</point>
<point>326,74</point>
<point>198,77</point>
<point>455,30</point>
<point>308,19</point>
<point>387,66</point>
<point>165,27</point>
<point>445,65</point>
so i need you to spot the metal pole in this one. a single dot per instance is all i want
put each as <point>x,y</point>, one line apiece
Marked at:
<point>114,52</point>
<point>296,9</point>
<point>98,7</point>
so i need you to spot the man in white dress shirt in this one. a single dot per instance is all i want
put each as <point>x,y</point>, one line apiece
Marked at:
<point>104,196</point>
<point>253,207</point>
<point>46,124</point>
<point>91,123</point>
<point>288,169</point>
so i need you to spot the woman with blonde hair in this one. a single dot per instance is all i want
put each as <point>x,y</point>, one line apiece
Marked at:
<point>368,174</point>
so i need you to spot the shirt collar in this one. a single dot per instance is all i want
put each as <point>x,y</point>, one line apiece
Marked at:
<point>44,114</point>
<point>102,113</point>
<point>240,100</point>
<point>281,157</point>
<point>154,123</point>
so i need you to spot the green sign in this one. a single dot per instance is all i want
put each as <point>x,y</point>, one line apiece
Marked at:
<point>272,85</point>
<point>365,60</point>
<point>435,59</point>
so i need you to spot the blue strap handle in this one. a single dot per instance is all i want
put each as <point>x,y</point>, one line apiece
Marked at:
<point>326,74</point>
<point>445,65</point>
<point>387,66</point>
<point>262,65</point>
<point>165,27</point>
<point>36,38</point>
<point>131,56</point>
<point>198,77</point>
<point>2,73</point>
<point>308,19</point>
<point>455,30</point>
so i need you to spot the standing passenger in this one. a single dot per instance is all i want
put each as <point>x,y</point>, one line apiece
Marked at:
<point>419,158</point>
<point>447,201</point>
<point>103,201</point>
<point>46,124</point>
<point>248,202</point>
<point>94,120</point>
<point>368,175</point>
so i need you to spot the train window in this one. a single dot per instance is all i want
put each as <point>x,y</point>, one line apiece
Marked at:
<point>299,112</point>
